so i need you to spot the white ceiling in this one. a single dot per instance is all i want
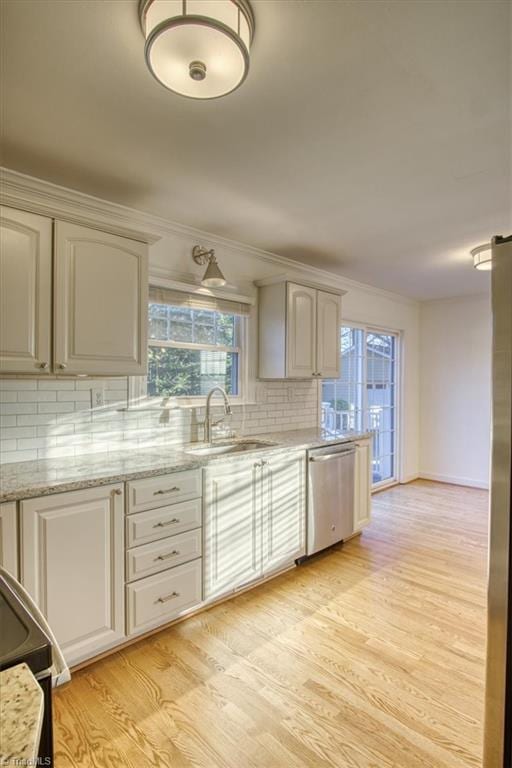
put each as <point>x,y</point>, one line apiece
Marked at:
<point>371,138</point>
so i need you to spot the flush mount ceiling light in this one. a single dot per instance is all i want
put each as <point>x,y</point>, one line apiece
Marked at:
<point>198,48</point>
<point>482,256</point>
<point>213,277</point>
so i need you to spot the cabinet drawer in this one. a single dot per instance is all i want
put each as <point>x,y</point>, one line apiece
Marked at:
<point>154,524</point>
<point>160,555</point>
<point>158,599</point>
<point>164,489</point>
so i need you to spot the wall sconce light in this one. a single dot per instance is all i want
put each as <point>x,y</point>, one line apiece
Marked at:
<point>213,277</point>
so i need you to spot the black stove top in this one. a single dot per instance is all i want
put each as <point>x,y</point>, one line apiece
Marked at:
<point>21,637</point>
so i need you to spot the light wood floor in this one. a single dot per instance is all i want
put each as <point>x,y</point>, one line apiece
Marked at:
<point>371,656</point>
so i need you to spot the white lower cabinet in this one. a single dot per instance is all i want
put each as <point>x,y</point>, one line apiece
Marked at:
<point>283,511</point>
<point>232,526</point>
<point>164,546</point>
<point>72,563</point>
<point>167,553</point>
<point>362,484</point>
<point>254,520</point>
<point>9,538</point>
<point>158,599</point>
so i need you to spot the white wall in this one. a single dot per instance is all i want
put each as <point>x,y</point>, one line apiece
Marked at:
<point>62,421</point>
<point>171,258</point>
<point>455,392</point>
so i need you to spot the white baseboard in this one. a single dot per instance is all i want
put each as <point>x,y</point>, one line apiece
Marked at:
<point>467,481</point>
<point>409,478</point>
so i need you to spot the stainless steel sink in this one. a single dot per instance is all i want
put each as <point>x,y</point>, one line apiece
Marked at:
<point>235,447</point>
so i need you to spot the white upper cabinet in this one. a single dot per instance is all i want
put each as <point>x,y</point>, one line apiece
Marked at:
<point>328,313</point>
<point>299,331</point>
<point>97,286</point>
<point>100,302</point>
<point>25,292</point>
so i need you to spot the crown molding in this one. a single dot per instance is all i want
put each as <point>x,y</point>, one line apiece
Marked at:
<point>458,299</point>
<point>38,196</point>
<point>28,193</point>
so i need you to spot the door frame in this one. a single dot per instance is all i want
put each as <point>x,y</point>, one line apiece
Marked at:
<point>399,406</point>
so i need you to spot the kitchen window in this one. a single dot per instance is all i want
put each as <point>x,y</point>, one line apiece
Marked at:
<point>365,396</point>
<point>194,344</point>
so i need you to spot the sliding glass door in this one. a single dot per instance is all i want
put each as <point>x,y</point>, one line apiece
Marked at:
<point>364,398</point>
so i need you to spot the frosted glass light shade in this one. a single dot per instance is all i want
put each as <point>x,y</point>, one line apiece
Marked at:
<point>482,257</point>
<point>198,48</point>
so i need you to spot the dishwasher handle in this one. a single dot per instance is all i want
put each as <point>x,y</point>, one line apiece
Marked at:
<point>331,456</point>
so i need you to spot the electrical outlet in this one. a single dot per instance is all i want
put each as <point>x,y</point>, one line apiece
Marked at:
<point>97,397</point>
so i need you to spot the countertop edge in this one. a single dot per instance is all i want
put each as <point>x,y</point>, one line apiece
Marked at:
<point>182,462</point>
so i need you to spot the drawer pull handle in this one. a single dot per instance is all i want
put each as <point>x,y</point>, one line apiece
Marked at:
<point>168,597</point>
<point>166,490</point>
<point>170,554</point>
<point>163,523</point>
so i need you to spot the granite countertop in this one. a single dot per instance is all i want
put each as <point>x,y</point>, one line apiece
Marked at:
<point>21,716</point>
<point>28,479</point>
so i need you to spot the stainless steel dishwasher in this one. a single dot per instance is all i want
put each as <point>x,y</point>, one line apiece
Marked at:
<point>330,495</point>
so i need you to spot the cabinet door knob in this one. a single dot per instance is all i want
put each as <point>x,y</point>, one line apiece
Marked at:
<point>62,366</point>
<point>43,365</point>
<point>118,491</point>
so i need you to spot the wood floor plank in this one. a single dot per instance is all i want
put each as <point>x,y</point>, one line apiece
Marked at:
<point>369,656</point>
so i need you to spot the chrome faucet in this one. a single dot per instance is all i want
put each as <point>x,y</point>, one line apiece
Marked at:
<point>208,423</point>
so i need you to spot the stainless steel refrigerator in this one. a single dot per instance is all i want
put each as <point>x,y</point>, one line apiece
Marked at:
<point>498,704</point>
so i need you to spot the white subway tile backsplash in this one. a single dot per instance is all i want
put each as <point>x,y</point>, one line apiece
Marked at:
<point>36,419</point>
<point>54,385</point>
<point>37,396</point>
<point>55,407</point>
<point>72,395</point>
<point>18,384</point>
<point>51,453</point>
<point>51,430</point>
<point>8,432</point>
<point>8,396</point>
<point>10,456</point>
<point>52,418</point>
<point>16,408</point>
<point>35,442</point>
